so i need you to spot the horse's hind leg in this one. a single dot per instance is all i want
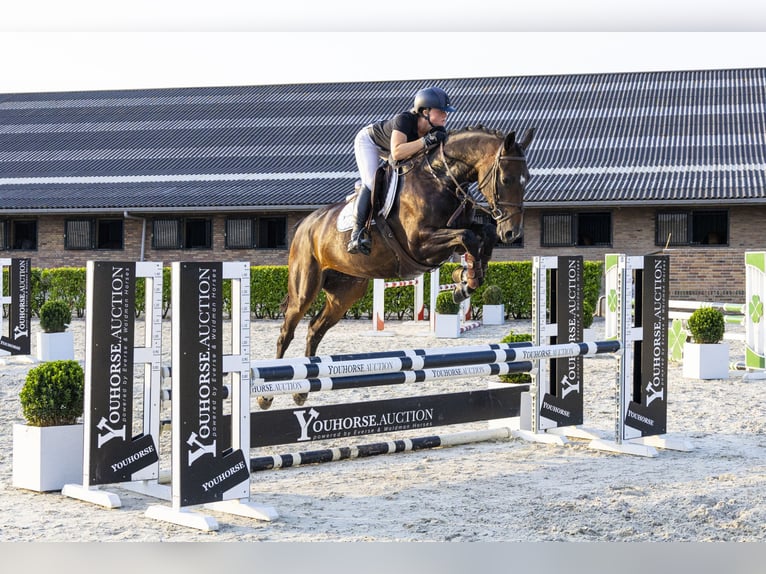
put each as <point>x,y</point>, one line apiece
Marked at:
<point>341,292</point>
<point>303,286</point>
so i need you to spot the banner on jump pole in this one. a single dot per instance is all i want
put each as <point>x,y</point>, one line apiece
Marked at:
<point>206,463</point>
<point>330,422</point>
<point>647,412</point>
<point>114,454</point>
<point>19,313</point>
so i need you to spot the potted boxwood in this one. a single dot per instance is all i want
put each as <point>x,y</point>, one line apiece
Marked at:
<point>705,356</point>
<point>493,309</point>
<point>516,378</point>
<point>447,321</point>
<point>47,450</point>
<point>55,343</point>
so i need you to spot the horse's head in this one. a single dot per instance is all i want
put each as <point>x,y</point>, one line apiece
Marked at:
<point>504,183</point>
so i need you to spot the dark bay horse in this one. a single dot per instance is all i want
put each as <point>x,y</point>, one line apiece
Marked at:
<point>431,219</point>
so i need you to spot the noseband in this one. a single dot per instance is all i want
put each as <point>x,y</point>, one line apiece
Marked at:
<point>494,198</point>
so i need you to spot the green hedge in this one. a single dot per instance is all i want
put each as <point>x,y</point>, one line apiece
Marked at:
<point>268,288</point>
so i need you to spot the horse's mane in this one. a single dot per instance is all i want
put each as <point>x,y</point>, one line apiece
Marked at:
<point>478,128</point>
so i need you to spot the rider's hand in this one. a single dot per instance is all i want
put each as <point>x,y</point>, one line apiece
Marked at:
<point>435,136</point>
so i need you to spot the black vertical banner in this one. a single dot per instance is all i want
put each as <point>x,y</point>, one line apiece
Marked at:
<point>19,314</point>
<point>208,467</point>
<point>114,453</point>
<point>566,406</point>
<point>650,414</point>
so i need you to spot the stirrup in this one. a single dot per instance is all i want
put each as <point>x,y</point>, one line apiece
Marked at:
<point>360,242</point>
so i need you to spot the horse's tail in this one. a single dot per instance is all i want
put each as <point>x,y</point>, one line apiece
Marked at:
<point>283,304</point>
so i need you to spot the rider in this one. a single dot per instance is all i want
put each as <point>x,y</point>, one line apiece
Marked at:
<point>401,137</point>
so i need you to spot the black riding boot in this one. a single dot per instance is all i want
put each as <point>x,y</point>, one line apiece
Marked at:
<point>360,237</point>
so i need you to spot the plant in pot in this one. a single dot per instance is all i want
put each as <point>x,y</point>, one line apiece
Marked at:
<point>705,356</point>
<point>55,343</point>
<point>493,309</point>
<point>47,450</point>
<point>447,319</point>
<point>516,378</point>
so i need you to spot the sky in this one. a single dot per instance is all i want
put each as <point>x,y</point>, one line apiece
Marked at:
<point>84,45</point>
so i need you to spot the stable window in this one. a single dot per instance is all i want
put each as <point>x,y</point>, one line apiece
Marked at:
<point>93,234</point>
<point>23,234</point>
<point>589,229</point>
<point>272,232</point>
<point>704,227</point>
<point>191,233</point>
<point>197,234</point>
<point>166,234</point>
<point>239,233</point>
<point>256,232</point>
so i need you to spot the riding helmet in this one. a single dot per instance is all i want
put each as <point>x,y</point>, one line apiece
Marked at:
<point>433,98</point>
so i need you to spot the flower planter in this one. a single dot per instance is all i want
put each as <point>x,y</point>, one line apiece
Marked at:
<point>706,361</point>
<point>447,326</point>
<point>47,458</point>
<point>55,346</point>
<point>493,314</point>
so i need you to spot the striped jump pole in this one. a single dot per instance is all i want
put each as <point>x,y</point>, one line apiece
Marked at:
<point>314,385</point>
<point>463,356</point>
<point>374,449</point>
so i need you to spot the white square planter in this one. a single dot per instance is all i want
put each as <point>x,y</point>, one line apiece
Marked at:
<point>47,458</point>
<point>55,346</point>
<point>493,314</point>
<point>708,361</point>
<point>447,326</point>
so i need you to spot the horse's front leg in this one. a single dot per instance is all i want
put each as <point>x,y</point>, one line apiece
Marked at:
<point>465,242</point>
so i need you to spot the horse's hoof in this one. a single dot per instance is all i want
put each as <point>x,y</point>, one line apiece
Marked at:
<point>300,398</point>
<point>460,293</point>
<point>457,275</point>
<point>265,402</point>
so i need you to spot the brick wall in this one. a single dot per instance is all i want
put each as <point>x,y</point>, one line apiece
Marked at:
<point>702,273</point>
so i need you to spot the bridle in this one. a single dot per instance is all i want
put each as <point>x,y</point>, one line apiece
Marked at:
<point>494,198</point>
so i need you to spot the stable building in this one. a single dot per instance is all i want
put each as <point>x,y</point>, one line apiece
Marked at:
<point>629,162</point>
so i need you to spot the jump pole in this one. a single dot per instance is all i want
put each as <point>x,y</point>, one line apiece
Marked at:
<point>111,454</point>
<point>207,470</point>
<point>16,339</point>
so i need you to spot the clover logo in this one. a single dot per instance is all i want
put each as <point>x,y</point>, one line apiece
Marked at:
<point>755,309</point>
<point>676,339</point>
<point>611,300</point>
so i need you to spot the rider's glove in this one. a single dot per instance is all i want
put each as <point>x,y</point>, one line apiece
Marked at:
<point>435,136</point>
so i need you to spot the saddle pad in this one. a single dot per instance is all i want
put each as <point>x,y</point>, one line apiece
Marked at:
<point>346,217</point>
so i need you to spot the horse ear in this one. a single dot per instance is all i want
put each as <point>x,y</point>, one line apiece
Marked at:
<point>510,140</point>
<point>527,138</point>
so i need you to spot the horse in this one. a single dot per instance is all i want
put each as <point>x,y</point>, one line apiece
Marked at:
<point>431,219</point>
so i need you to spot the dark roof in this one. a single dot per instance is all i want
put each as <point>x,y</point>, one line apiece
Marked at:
<point>602,139</point>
